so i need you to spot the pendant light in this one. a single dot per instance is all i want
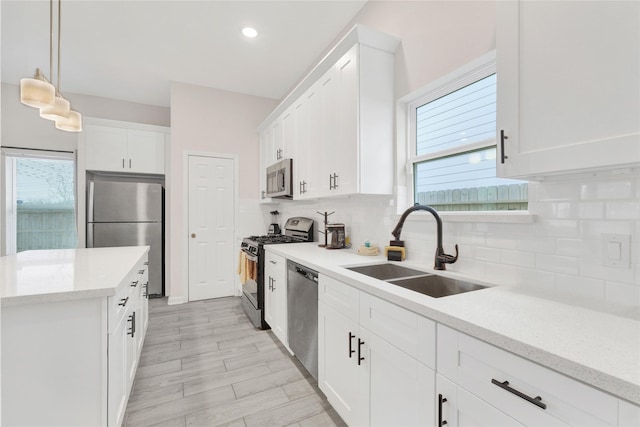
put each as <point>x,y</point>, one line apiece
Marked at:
<point>38,92</point>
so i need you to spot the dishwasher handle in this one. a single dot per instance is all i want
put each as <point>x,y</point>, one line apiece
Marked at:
<point>307,274</point>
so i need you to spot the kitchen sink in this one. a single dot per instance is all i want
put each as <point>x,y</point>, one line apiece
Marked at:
<point>416,280</point>
<point>437,286</point>
<point>386,271</point>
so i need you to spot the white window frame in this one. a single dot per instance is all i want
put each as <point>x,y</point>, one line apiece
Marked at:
<point>406,135</point>
<point>8,156</point>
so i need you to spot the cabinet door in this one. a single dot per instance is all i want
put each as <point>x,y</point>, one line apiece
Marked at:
<point>313,186</point>
<point>264,162</point>
<point>131,345</point>
<point>300,148</point>
<point>345,144</point>
<point>284,149</point>
<point>459,408</point>
<point>339,376</point>
<point>118,373</point>
<point>568,95</point>
<point>145,151</point>
<point>276,295</point>
<point>401,390</point>
<point>106,148</point>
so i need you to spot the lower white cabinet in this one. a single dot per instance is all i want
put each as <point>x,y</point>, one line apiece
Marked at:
<point>275,295</point>
<point>368,380</point>
<point>72,362</point>
<point>518,388</point>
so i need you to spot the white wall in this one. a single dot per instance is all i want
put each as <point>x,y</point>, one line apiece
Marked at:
<point>562,249</point>
<point>215,121</point>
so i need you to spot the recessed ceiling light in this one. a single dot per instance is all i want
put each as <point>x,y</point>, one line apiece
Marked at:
<point>249,32</point>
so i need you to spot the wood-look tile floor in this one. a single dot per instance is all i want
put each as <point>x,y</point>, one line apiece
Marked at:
<point>204,364</point>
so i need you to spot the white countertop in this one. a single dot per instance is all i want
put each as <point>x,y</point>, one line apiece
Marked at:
<point>32,277</point>
<point>599,348</point>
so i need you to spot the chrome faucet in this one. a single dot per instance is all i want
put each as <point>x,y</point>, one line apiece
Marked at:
<point>441,259</point>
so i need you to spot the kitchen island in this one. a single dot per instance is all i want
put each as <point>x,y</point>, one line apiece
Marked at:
<point>597,346</point>
<point>73,324</point>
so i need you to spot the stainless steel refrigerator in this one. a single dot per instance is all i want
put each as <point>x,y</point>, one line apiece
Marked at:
<point>128,214</point>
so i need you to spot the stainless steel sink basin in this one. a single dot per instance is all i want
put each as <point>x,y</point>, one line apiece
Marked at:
<point>386,271</point>
<point>416,280</point>
<point>437,286</point>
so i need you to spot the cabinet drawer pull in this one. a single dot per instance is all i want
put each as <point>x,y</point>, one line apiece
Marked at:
<point>132,319</point>
<point>351,350</point>
<point>535,400</point>
<point>146,263</point>
<point>441,400</point>
<point>360,358</point>
<point>123,301</point>
<point>502,138</point>
<point>140,271</point>
<point>146,290</point>
<point>134,284</point>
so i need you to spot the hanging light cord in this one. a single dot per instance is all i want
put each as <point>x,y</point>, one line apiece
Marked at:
<point>59,26</point>
<point>51,39</point>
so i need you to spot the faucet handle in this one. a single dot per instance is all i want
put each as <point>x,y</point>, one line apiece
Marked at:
<point>448,259</point>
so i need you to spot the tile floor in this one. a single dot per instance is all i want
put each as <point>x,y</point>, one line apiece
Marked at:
<point>203,363</point>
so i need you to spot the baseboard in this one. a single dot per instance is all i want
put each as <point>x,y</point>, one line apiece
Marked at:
<point>176,300</point>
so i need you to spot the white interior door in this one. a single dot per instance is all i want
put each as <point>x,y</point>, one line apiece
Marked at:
<point>211,227</point>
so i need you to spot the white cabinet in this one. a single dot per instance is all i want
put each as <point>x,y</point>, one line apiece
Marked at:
<point>112,148</point>
<point>71,362</point>
<point>354,124</point>
<point>628,414</point>
<point>519,389</point>
<point>338,122</point>
<point>370,376</point>
<point>275,297</point>
<point>567,94</point>
<point>459,408</point>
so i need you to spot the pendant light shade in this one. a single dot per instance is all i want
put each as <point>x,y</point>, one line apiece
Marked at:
<point>37,91</point>
<point>59,110</point>
<point>71,124</point>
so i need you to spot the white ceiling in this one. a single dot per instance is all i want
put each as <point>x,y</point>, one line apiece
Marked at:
<point>132,50</point>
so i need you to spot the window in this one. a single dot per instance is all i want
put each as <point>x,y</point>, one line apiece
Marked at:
<point>39,200</point>
<point>452,152</point>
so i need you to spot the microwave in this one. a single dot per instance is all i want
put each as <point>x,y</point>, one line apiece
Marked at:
<point>280,180</point>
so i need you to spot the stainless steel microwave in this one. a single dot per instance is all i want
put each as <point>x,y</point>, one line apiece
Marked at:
<point>280,179</point>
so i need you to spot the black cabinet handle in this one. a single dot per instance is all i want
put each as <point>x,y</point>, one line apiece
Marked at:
<point>132,330</point>
<point>502,138</point>
<point>535,400</point>
<point>134,284</point>
<point>441,400</point>
<point>351,350</point>
<point>360,358</point>
<point>146,290</point>
<point>273,285</point>
<point>335,181</point>
<point>123,301</point>
<point>129,163</point>
<point>140,271</point>
<point>146,263</point>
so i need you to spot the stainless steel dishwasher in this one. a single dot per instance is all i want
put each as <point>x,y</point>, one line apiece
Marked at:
<point>302,315</point>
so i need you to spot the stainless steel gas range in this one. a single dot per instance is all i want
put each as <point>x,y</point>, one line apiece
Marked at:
<point>296,230</point>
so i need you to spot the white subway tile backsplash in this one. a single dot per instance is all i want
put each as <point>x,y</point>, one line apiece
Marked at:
<point>557,264</point>
<point>557,227</point>
<point>623,210</point>
<point>579,248</point>
<point>561,250</point>
<point>517,258</point>
<point>582,286</point>
<point>622,294</point>
<point>591,210</point>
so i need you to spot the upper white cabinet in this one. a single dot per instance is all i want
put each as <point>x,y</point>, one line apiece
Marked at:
<point>124,147</point>
<point>568,85</point>
<point>337,124</point>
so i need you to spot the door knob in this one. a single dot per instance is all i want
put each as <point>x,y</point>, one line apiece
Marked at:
<point>193,235</point>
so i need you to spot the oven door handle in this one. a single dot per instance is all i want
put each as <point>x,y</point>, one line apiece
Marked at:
<point>251,256</point>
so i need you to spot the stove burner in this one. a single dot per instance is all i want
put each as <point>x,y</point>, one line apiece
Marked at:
<point>275,238</point>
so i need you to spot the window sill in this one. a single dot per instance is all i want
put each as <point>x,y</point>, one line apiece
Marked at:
<point>508,217</point>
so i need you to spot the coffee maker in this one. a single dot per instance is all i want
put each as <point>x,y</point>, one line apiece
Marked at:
<point>274,228</point>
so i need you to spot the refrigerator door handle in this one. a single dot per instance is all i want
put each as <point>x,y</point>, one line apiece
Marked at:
<point>90,235</point>
<point>90,201</point>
